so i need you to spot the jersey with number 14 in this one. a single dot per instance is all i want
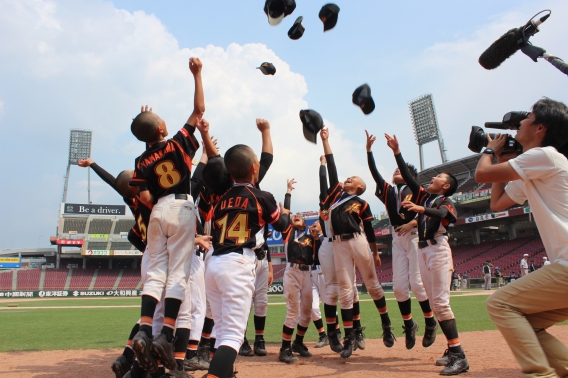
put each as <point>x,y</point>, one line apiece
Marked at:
<point>165,168</point>
<point>239,218</point>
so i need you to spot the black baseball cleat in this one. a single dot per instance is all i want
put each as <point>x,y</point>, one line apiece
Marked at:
<point>163,350</point>
<point>195,363</point>
<point>120,366</point>
<point>203,353</point>
<point>348,343</point>
<point>286,355</point>
<point>301,349</point>
<point>359,338</point>
<point>388,336</point>
<point>410,334</point>
<point>443,361</point>
<point>245,349</point>
<point>323,341</point>
<point>429,336</point>
<point>141,345</point>
<point>259,348</point>
<point>457,364</point>
<point>334,342</point>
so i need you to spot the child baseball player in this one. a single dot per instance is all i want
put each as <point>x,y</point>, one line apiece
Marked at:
<point>349,214</point>
<point>300,246</point>
<point>238,222</point>
<point>435,212</point>
<point>163,174</point>
<point>405,269</point>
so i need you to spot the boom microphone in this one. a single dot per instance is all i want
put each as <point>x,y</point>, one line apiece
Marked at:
<point>509,43</point>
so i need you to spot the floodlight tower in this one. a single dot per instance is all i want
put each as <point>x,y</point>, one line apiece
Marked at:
<point>425,125</point>
<point>79,148</point>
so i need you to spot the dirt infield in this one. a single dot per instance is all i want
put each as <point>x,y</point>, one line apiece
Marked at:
<point>488,356</point>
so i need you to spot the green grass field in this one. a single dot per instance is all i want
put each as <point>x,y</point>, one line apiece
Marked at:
<point>61,328</point>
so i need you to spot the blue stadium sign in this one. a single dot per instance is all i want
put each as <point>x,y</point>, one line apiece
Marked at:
<point>276,237</point>
<point>10,262</point>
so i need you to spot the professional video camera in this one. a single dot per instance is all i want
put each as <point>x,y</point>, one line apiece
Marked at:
<point>511,121</point>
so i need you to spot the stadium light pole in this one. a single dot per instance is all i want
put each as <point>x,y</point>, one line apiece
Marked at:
<point>79,148</point>
<point>38,239</point>
<point>425,125</point>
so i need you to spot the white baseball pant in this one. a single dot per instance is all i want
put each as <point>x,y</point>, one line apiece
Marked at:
<point>192,311</point>
<point>171,233</point>
<point>436,267</point>
<point>260,296</point>
<point>298,294</point>
<point>158,320</point>
<point>327,264</point>
<point>318,286</point>
<point>229,282</point>
<point>349,254</point>
<point>405,268</point>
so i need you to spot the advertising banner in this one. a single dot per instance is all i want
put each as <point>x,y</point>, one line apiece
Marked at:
<point>383,231</point>
<point>10,262</point>
<point>95,252</point>
<point>484,217</point>
<point>126,252</point>
<point>91,209</point>
<point>276,288</point>
<point>98,236</point>
<point>276,237</point>
<point>70,293</point>
<point>69,242</point>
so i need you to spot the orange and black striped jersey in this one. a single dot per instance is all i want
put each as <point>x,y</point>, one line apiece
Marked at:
<point>240,217</point>
<point>299,246</point>
<point>138,232</point>
<point>165,167</point>
<point>439,211</point>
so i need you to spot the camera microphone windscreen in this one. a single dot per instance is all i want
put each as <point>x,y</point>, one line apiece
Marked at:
<point>501,49</point>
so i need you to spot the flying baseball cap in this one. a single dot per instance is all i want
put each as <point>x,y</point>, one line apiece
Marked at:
<point>267,68</point>
<point>362,98</point>
<point>312,123</point>
<point>297,30</point>
<point>328,15</point>
<point>276,10</point>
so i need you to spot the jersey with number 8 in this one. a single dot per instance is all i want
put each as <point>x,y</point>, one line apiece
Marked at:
<point>239,218</point>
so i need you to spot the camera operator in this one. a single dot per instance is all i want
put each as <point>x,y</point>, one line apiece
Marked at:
<point>526,308</point>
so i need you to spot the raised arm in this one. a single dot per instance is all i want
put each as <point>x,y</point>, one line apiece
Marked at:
<point>208,143</point>
<point>323,179</point>
<point>371,161</point>
<point>331,168</point>
<point>392,142</point>
<point>288,196</point>
<point>195,66</point>
<point>267,155</point>
<point>104,175</point>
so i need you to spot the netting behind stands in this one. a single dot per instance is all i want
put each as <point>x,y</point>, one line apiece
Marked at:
<point>97,245</point>
<point>100,226</point>
<point>121,246</point>
<point>123,225</point>
<point>74,224</point>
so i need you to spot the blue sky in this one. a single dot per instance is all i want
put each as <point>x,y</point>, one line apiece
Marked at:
<point>91,64</point>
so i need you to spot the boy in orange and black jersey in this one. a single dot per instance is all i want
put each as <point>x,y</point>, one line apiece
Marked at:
<point>238,223</point>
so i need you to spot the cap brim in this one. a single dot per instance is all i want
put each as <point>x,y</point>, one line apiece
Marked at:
<point>275,21</point>
<point>330,23</point>
<point>309,134</point>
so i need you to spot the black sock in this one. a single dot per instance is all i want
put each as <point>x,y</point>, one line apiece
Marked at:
<point>259,324</point>
<point>428,313</point>
<point>450,330</point>
<point>356,316</point>
<point>191,349</point>
<point>287,333</point>
<point>180,343</point>
<point>347,317</point>
<point>212,342</point>
<point>223,361</point>
<point>171,310</point>
<point>206,331</point>
<point>147,314</point>
<point>405,311</point>
<point>319,326</point>
<point>128,353</point>
<point>330,313</point>
<point>137,371</point>
<point>381,305</point>
<point>300,332</point>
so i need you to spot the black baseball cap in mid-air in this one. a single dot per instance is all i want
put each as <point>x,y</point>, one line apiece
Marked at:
<point>276,10</point>
<point>328,15</point>
<point>312,123</point>
<point>297,30</point>
<point>362,98</point>
<point>267,68</point>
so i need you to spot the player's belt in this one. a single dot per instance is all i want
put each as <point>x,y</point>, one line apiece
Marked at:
<point>302,267</point>
<point>344,237</point>
<point>426,243</point>
<point>182,196</point>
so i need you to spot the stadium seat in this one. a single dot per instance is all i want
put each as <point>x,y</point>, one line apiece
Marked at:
<point>130,279</point>
<point>6,280</point>
<point>106,279</point>
<point>28,279</point>
<point>55,279</point>
<point>81,279</point>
